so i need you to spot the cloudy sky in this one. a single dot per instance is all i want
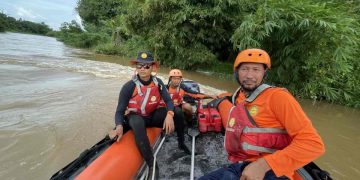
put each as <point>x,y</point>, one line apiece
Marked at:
<point>52,12</point>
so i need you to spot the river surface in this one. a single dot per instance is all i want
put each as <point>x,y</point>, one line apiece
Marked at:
<point>56,101</point>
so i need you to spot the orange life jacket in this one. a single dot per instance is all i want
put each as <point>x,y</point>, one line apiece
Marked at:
<point>176,97</point>
<point>244,139</point>
<point>145,98</point>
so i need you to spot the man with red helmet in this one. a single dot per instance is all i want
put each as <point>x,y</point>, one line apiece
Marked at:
<point>177,91</point>
<point>268,135</point>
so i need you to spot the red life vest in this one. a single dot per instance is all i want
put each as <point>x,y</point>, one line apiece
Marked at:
<point>146,99</point>
<point>245,140</point>
<point>176,97</point>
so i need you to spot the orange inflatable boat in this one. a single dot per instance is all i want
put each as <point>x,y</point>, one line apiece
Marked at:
<point>109,160</point>
<point>122,161</point>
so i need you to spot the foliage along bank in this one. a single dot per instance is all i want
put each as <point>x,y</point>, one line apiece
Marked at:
<point>8,23</point>
<point>313,44</point>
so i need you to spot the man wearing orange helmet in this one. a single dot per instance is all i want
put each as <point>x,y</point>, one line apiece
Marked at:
<point>177,91</point>
<point>268,135</point>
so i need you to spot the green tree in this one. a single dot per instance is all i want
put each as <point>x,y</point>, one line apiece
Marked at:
<point>8,23</point>
<point>313,46</point>
<point>72,27</point>
<point>94,11</point>
<point>185,34</point>
<point>72,34</point>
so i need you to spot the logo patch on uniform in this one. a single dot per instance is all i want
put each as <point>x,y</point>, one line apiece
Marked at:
<point>143,55</point>
<point>153,98</point>
<point>253,110</point>
<point>231,122</point>
<point>175,100</point>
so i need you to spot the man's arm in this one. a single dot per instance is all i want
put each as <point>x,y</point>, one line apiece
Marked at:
<point>168,125</point>
<point>194,94</point>
<point>306,143</point>
<point>124,98</point>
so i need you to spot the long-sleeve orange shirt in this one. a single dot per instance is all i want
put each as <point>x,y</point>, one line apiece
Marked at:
<point>277,108</point>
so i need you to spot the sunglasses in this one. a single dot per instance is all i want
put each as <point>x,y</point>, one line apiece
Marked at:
<point>145,66</point>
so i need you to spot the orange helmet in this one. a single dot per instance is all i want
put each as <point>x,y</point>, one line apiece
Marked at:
<point>175,72</point>
<point>254,56</point>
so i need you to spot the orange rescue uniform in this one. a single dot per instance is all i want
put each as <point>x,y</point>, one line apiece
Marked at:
<point>277,108</point>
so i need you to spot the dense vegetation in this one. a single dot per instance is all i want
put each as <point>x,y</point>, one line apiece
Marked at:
<point>72,34</point>
<point>313,44</point>
<point>8,23</point>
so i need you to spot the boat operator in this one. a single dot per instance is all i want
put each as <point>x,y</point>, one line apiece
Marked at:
<point>267,135</point>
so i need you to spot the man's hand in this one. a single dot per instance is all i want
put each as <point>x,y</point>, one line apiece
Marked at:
<point>126,112</point>
<point>169,124</point>
<point>255,170</point>
<point>118,131</point>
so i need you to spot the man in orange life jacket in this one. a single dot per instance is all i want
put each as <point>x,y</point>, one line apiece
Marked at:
<point>267,136</point>
<point>177,90</point>
<point>138,107</point>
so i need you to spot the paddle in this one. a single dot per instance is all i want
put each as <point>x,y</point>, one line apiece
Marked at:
<point>193,132</point>
<point>155,155</point>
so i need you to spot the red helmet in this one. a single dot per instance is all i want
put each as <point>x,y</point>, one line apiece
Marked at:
<point>175,73</point>
<point>254,56</point>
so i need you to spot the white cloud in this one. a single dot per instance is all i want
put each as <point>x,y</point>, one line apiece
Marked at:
<point>27,14</point>
<point>52,12</point>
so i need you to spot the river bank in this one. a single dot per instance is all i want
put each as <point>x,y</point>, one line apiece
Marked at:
<point>318,92</point>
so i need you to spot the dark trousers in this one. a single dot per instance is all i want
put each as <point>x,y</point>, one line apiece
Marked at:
<point>234,171</point>
<point>139,123</point>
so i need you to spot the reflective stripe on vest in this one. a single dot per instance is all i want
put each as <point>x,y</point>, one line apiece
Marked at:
<point>132,109</point>
<point>144,102</point>
<point>263,130</point>
<point>246,146</point>
<point>178,89</point>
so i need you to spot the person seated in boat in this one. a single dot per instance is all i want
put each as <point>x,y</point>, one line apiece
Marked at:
<point>267,135</point>
<point>138,107</point>
<point>177,91</point>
